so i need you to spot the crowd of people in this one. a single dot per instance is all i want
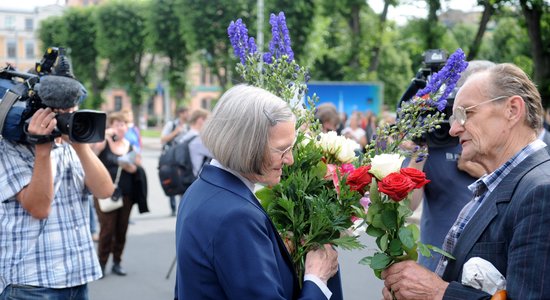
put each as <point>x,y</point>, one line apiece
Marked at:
<point>492,205</point>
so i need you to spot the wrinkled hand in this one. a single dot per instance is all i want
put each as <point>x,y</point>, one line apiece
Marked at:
<point>409,280</point>
<point>322,262</point>
<point>43,122</point>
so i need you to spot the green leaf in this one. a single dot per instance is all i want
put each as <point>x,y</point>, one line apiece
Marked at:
<point>365,260</point>
<point>374,232</point>
<point>374,209</point>
<point>266,196</point>
<point>424,250</point>
<point>374,195</point>
<point>389,218</point>
<point>347,242</point>
<point>404,211</point>
<point>377,222</point>
<point>415,232</point>
<point>440,251</point>
<point>395,247</point>
<point>383,242</point>
<point>380,261</point>
<point>406,237</point>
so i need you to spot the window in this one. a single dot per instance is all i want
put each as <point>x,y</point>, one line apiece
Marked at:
<point>118,103</point>
<point>29,24</point>
<point>9,22</point>
<point>11,46</point>
<point>29,50</point>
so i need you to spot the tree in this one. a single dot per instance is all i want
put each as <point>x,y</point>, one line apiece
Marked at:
<point>488,11</point>
<point>80,38</point>
<point>375,58</point>
<point>533,12</point>
<point>208,22</point>
<point>122,41</point>
<point>170,38</point>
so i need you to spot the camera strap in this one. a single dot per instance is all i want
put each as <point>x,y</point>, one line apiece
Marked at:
<point>7,102</point>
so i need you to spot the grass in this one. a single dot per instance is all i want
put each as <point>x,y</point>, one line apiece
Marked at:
<point>154,133</point>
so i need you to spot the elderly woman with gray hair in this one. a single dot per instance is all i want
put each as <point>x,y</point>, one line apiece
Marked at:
<point>227,247</point>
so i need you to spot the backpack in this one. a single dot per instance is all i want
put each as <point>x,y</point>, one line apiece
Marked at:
<point>176,169</point>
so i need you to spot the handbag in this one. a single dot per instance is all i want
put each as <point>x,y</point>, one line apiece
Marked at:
<point>115,201</point>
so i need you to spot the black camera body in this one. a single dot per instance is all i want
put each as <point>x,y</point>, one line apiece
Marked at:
<point>52,85</point>
<point>434,60</point>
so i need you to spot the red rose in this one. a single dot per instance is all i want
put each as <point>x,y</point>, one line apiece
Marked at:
<point>359,178</point>
<point>396,185</point>
<point>415,175</point>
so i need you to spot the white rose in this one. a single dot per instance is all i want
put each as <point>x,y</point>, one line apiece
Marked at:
<point>346,154</point>
<point>384,164</point>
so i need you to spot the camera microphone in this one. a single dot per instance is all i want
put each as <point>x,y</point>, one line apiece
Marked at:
<point>60,91</point>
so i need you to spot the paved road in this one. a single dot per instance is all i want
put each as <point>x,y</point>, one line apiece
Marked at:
<point>150,251</point>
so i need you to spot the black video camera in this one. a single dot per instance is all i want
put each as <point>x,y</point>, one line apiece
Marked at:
<point>52,85</point>
<point>434,60</point>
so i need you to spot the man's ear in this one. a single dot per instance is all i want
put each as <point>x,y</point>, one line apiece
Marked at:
<point>516,110</point>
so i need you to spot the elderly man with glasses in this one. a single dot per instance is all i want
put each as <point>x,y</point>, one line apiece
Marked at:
<point>497,115</point>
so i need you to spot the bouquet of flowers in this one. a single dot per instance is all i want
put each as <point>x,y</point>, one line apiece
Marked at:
<point>387,196</point>
<point>312,205</point>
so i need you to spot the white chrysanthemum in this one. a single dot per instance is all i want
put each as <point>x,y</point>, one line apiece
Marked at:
<point>337,147</point>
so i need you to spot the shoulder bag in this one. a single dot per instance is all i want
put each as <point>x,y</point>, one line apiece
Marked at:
<point>115,201</point>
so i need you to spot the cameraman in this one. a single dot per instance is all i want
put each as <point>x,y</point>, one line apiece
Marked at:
<point>46,249</point>
<point>447,193</point>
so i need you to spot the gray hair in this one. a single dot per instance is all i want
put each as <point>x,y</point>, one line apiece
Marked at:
<point>237,132</point>
<point>509,80</point>
<point>474,66</point>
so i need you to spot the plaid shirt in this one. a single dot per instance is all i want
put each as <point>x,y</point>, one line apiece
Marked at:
<point>481,189</point>
<point>55,252</point>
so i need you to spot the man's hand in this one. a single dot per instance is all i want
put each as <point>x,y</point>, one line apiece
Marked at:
<point>409,280</point>
<point>43,122</point>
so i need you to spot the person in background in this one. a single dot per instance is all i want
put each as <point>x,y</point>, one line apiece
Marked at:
<point>354,130</point>
<point>197,151</point>
<point>114,224</point>
<point>133,135</point>
<point>226,245</point>
<point>370,126</point>
<point>172,132</point>
<point>327,115</point>
<point>46,249</point>
<point>497,116</point>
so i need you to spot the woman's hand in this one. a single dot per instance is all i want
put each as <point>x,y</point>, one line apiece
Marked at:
<point>322,262</point>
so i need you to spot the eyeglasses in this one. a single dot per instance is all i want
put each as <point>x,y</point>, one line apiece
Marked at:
<point>459,112</point>
<point>286,151</point>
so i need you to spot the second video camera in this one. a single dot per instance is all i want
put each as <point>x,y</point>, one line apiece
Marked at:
<point>434,60</point>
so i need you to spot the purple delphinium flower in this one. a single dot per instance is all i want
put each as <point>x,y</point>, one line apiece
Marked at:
<point>280,41</point>
<point>449,76</point>
<point>242,44</point>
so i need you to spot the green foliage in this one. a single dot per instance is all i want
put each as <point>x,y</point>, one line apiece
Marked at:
<point>51,32</point>
<point>208,25</point>
<point>122,40</point>
<point>306,207</point>
<point>171,38</point>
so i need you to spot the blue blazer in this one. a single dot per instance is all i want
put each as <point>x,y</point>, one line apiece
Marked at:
<point>511,230</point>
<point>228,248</point>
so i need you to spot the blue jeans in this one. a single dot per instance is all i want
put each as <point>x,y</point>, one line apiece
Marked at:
<point>27,292</point>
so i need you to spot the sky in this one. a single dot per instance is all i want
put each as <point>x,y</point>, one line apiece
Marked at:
<point>400,14</point>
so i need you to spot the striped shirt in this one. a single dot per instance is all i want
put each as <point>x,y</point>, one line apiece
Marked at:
<point>55,252</point>
<point>481,189</point>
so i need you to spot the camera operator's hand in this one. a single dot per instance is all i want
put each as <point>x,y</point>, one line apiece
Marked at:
<point>43,122</point>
